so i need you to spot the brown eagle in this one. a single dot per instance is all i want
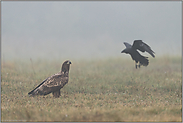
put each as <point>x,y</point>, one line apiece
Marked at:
<point>54,83</point>
<point>132,50</point>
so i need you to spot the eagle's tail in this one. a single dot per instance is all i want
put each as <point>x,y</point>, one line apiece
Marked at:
<point>33,93</point>
<point>36,91</point>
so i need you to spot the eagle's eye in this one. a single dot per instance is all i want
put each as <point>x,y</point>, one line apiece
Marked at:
<point>68,62</point>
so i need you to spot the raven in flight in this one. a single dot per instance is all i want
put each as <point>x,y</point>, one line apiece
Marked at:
<point>132,50</point>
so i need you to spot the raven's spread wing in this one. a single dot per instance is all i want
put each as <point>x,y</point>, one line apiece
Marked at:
<point>127,45</point>
<point>138,44</point>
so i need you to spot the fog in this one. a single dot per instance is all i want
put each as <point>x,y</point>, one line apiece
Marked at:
<point>88,29</point>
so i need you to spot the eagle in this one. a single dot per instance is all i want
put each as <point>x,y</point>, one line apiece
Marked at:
<point>54,83</point>
<point>132,50</point>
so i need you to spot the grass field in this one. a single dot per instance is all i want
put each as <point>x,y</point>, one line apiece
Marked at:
<point>98,90</point>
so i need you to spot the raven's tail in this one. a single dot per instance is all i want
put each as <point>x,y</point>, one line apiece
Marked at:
<point>144,61</point>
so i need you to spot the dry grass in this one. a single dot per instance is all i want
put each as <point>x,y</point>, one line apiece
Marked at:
<point>98,90</point>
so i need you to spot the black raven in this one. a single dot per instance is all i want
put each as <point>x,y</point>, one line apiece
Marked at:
<point>132,50</point>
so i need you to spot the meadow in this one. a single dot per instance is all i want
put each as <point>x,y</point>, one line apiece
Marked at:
<point>108,89</point>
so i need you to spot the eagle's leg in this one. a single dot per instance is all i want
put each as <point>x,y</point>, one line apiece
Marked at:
<point>56,94</point>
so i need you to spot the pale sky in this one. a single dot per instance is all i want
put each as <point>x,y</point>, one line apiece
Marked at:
<point>88,29</point>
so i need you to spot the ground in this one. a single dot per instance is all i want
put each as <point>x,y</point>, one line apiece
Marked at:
<point>108,89</point>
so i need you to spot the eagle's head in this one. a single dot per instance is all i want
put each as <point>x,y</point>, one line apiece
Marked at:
<point>67,62</point>
<point>66,66</point>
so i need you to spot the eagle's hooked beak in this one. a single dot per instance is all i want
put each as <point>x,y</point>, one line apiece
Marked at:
<point>69,62</point>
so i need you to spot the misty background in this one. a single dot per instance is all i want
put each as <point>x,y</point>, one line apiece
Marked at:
<point>88,29</point>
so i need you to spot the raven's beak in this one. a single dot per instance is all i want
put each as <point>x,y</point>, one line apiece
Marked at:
<point>122,51</point>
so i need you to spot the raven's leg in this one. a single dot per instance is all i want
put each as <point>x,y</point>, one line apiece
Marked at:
<point>136,64</point>
<point>139,65</point>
